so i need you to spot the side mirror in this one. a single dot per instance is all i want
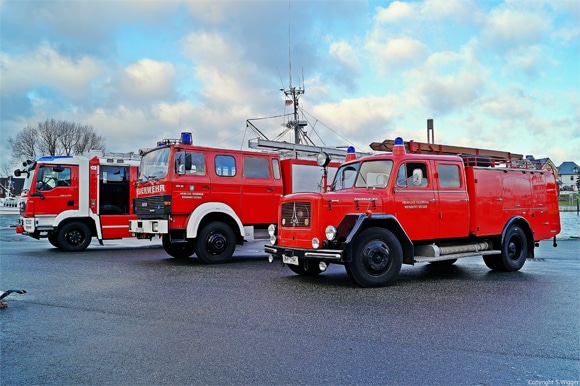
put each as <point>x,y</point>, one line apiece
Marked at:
<point>417,177</point>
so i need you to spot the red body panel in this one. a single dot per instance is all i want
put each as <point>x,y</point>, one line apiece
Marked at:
<point>477,202</point>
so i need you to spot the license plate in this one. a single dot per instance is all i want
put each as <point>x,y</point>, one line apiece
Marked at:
<point>290,260</point>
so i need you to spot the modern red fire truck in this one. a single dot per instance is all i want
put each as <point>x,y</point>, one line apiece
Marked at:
<point>206,201</point>
<point>409,207</point>
<point>70,199</point>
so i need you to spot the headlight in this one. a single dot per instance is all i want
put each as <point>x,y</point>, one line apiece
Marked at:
<point>315,243</point>
<point>154,227</point>
<point>323,159</point>
<point>330,232</point>
<point>272,230</point>
<point>273,239</point>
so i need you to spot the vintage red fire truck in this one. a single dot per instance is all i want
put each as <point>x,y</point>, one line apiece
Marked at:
<point>206,201</point>
<point>71,199</point>
<point>409,207</point>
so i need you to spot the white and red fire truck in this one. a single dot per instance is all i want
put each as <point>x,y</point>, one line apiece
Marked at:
<point>70,199</point>
<point>206,201</point>
<point>409,207</point>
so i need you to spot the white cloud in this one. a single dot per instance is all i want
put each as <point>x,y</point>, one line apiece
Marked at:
<point>45,67</point>
<point>397,11</point>
<point>394,54</point>
<point>146,81</point>
<point>507,29</point>
<point>345,54</point>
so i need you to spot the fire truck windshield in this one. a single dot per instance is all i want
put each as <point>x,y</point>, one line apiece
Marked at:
<point>154,164</point>
<point>370,174</point>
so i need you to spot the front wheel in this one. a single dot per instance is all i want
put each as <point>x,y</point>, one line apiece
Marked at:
<point>377,258</point>
<point>74,237</point>
<point>216,243</point>
<point>178,250</point>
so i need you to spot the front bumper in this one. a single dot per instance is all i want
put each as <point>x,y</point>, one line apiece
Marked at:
<point>152,227</point>
<point>286,253</point>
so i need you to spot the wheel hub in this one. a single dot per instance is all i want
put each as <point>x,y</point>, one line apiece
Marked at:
<point>377,256</point>
<point>216,243</point>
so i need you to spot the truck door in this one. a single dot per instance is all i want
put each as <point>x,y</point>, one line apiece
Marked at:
<point>114,200</point>
<point>58,187</point>
<point>452,202</point>
<point>261,190</point>
<point>415,204</point>
<point>194,186</point>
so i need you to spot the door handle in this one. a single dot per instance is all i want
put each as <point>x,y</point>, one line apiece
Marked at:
<point>269,189</point>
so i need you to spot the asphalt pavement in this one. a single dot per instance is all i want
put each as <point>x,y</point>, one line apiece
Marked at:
<point>128,314</point>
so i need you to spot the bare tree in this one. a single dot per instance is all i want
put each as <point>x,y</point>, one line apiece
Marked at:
<point>53,137</point>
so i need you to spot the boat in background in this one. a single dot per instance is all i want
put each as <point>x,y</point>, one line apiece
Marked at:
<point>10,205</point>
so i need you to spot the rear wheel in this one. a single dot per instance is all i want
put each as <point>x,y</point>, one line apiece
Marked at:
<point>74,236</point>
<point>514,251</point>
<point>178,250</point>
<point>377,258</point>
<point>305,268</point>
<point>216,243</point>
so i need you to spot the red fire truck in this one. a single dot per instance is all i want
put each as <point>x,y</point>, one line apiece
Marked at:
<point>205,200</point>
<point>409,207</point>
<point>70,199</point>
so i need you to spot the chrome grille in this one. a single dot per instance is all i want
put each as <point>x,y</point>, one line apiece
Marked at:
<point>296,215</point>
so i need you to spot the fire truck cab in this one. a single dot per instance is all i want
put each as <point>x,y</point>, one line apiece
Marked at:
<point>205,201</point>
<point>388,209</point>
<point>70,199</point>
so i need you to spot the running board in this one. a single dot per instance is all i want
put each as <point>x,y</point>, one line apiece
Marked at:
<point>427,259</point>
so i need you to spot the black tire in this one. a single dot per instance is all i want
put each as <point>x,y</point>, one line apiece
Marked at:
<point>514,251</point>
<point>52,239</point>
<point>304,268</point>
<point>178,250</point>
<point>216,243</point>
<point>74,236</point>
<point>377,258</point>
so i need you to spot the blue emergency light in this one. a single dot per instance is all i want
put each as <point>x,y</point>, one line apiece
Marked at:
<point>186,138</point>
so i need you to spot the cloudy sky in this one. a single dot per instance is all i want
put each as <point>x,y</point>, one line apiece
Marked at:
<point>492,74</point>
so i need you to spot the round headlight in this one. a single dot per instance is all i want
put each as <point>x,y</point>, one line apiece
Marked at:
<point>315,243</point>
<point>330,232</point>
<point>272,230</point>
<point>323,159</point>
<point>273,239</point>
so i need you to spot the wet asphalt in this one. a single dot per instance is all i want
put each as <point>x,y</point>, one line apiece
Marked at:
<point>128,314</point>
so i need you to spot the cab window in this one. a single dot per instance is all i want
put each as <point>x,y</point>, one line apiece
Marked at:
<point>374,174</point>
<point>49,178</point>
<point>194,162</point>
<point>413,175</point>
<point>256,168</point>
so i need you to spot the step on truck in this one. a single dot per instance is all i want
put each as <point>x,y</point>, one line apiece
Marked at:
<point>71,199</point>
<point>418,204</point>
<point>205,201</point>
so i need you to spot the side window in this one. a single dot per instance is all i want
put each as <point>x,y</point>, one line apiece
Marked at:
<point>225,165</point>
<point>413,174</point>
<point>195,162</point>
<point>256,168</point>
<point>276,169</point>
<point>449,176</point>
<point>52,177</point>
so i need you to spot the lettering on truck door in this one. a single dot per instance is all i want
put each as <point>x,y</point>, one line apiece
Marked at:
<point>415,204</point>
